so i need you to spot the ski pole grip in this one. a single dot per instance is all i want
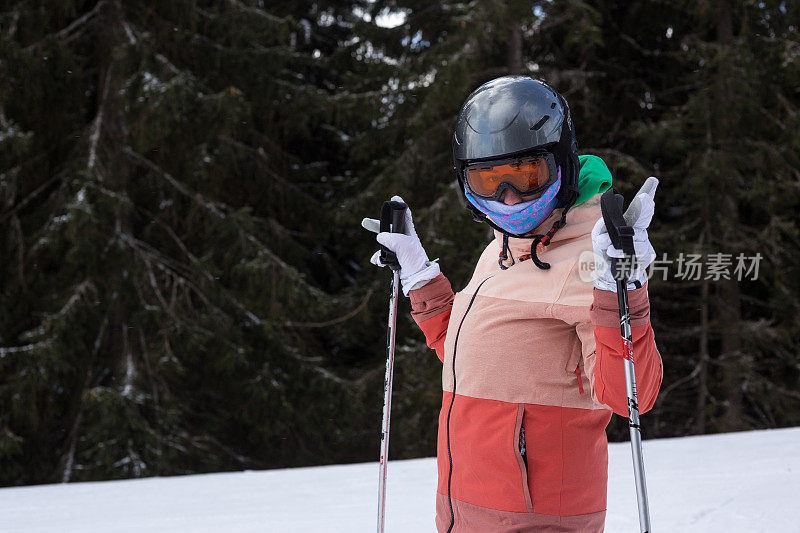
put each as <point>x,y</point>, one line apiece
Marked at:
<point>393,220</point>
<point>620,232</point>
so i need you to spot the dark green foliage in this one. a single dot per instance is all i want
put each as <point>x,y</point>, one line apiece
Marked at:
<point>163,209</point>
<point>185,284</point>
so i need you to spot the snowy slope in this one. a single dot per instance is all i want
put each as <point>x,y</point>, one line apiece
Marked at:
<point>727,483</point>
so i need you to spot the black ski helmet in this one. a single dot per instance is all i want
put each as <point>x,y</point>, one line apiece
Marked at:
<point>514,116</point>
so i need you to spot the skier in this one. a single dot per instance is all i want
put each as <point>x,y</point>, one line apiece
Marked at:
<point>532,353</point>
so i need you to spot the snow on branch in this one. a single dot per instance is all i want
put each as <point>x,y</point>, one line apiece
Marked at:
<point>80,290</point>
<point>167,63</point>
<point>12,29</point>
<point>129,32</point>
<point>5,350</point>
<point>94,137</point>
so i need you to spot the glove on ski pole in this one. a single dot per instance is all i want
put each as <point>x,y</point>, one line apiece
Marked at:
<point>621,234</point>
<point>415,268</point>
<point>638,216</point>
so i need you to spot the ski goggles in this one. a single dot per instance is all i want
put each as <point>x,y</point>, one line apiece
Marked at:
<point>525,175</point>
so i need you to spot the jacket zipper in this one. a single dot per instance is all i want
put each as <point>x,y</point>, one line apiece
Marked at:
<point>580,379</point>
<point>450,409</point>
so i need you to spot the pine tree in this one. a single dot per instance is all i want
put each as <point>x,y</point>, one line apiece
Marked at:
<point>185,284</point>
<point>164,169</point>
<point>734,160</point>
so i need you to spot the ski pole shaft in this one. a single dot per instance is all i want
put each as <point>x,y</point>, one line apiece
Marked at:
<point>393,220</point>
<point>622,238</point>
<point>633,407</point>
<point>387,400</point>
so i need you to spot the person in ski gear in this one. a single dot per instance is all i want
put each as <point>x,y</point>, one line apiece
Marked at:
<point>532,353</point>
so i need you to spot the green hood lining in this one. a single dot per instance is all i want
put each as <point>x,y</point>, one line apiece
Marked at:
<point>594,177</point>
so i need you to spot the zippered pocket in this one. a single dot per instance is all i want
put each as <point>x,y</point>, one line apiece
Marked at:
<point>578,371</point>
<point>521,446</point>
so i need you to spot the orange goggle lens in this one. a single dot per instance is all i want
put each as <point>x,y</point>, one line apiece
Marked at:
<point>525,175</point>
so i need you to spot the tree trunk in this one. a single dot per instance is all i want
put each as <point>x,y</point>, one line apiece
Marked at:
<point>702,387</point>
<point>728,294</point>
<point>106,138</point>
<point>514,51</point>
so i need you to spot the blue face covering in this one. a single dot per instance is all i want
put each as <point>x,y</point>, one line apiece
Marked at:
<point>521,218</point>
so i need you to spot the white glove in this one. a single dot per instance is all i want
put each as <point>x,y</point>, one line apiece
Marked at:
<point>638,215</point>
<point>415,268</point>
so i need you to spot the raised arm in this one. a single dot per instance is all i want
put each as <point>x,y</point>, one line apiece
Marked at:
<point>595,316</point>
<point>609,380</point>
<point>430,292</point>
<point>607,372</point>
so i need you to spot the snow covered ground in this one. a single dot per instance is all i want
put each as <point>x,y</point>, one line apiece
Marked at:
<point>722,483</point>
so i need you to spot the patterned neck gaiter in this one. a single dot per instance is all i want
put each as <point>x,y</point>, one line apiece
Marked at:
<point>521,218</point>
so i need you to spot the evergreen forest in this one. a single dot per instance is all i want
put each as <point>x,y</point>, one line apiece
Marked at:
<point>184,283</point>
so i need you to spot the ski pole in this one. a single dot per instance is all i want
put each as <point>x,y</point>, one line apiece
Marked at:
<point>392,220</point>
<point>622,239</point>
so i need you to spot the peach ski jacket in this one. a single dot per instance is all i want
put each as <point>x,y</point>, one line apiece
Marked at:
<point>532,371</point>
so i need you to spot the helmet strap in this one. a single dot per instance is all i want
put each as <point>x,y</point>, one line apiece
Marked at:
<point>504,254</point>
<point>546,238</point>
